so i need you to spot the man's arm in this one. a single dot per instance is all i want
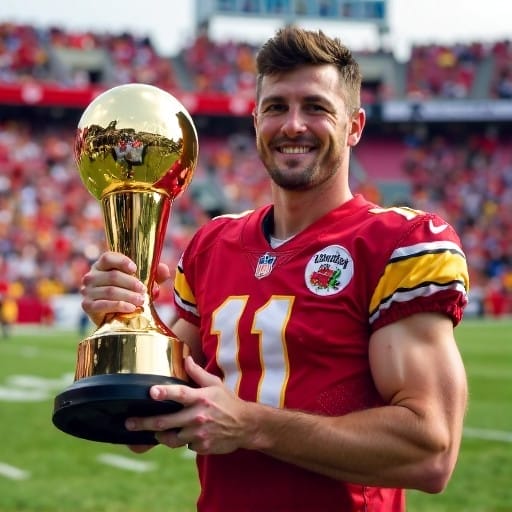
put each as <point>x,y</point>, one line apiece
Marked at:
<point>189,334</point>
<point>412,442</point>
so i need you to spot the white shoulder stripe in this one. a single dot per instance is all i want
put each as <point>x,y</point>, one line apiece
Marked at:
<point>422,291</point>
<point>411,250</point>
<point>185,305</point>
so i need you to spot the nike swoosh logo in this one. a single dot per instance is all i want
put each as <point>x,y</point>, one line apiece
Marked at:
<point>436,229</point>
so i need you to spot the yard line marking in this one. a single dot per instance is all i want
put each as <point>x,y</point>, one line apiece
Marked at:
<point>32,352</point>
<point>489,435</point>
<point>31,388</point>
<point>13,472</point>
<point>22,395</point>
<point>118,461</point>
<point>38,382</point>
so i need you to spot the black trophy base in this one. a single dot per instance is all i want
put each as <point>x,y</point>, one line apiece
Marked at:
<point>95,408</point>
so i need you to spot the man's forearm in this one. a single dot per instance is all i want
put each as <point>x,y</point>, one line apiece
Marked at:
<point>388,446</point>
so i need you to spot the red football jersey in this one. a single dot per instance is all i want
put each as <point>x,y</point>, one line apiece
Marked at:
<point>289,327</point>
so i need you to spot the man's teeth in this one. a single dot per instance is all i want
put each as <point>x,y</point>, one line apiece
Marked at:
<point>295,149</point>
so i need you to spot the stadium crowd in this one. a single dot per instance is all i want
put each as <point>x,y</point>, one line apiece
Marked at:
<point>30,53</point>
<point>51,228</point>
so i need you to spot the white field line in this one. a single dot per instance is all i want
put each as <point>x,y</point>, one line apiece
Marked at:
<point>32,352</point>
<point>127,463</point>
<point>13,472</point>
<point>488,435</point>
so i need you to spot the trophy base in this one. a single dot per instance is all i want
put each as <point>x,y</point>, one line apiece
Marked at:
<point>95,408</point>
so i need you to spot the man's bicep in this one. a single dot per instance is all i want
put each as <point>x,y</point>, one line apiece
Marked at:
<point>189,334</point>
<point>415,362</point>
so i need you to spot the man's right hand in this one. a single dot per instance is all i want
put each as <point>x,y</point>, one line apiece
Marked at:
<point>111,286</point>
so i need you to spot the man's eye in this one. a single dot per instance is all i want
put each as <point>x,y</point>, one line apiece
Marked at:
<point>314,107</point>
<point>275,107</point>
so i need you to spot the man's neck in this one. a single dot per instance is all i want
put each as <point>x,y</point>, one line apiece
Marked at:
<point>294,212</point>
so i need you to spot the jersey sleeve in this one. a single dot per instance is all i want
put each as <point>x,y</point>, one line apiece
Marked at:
<point>190,269</point>
<point>184,299</point>
<point>426,272</point>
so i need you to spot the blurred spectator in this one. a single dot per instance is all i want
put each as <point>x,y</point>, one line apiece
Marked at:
<point>8,305</point>
<point>496,298</point>
<point>443,71</point>
<point>22,53</point>
<point>221,67</point>
<point>51,228</point>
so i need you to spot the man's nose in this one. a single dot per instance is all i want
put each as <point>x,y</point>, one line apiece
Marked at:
<point>294,123</point>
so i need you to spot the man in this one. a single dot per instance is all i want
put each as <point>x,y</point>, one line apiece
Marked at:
<point>320,327</point>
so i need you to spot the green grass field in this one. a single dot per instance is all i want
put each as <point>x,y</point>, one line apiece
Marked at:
<point>45,470</point>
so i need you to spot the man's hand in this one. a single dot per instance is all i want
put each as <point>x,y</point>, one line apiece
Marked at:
<point>213,419</point>
<point>111,286</point>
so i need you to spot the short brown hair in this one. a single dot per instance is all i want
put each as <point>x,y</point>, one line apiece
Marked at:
<point>292,47</point>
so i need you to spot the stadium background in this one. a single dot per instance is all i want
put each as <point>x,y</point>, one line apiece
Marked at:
<point>435,139</point>
<point>438,138</point>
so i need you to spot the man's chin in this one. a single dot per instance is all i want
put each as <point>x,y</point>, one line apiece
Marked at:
<point>291,183</point>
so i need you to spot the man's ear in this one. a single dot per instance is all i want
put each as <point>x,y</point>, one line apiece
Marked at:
<point>357,122</point>
<point>254,117</point>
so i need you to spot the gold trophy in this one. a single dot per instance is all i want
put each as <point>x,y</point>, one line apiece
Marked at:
<point>136,149</point>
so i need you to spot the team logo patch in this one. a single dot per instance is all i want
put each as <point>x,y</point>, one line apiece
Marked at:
<point>329,270</point>
<point>265,265</point>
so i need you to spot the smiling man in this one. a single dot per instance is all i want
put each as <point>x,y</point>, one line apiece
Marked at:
<point>321,326</point>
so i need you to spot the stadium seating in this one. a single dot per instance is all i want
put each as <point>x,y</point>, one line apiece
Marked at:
<point>51,229</point>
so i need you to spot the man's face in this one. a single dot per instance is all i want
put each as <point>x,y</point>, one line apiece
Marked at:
<point>302,126</point>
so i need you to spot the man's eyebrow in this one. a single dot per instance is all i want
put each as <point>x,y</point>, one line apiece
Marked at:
<point>307,99</point>
<point>273,98</point>
<point>316,98</point>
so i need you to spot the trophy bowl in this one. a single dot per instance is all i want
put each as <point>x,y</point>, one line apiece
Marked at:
<point>136,149</point>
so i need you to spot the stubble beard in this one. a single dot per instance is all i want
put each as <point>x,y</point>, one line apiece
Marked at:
<point>294,180</point>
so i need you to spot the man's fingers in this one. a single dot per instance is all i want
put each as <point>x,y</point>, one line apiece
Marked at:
<point>109,280</point>
<point>140,448</point>
<point>104,307</point>
<point>180,393</point>
<point>199,375</point>
<point>110,286</point>
<point>170,438</point>
<point>185,395</point>
<point>162,273</point>
<point>104,294</point>
<point>158,423</point>
<point>188,396</point>
<point>115,260</point>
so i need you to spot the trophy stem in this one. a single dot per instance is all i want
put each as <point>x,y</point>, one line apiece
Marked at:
<point>135,225</point>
